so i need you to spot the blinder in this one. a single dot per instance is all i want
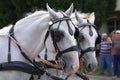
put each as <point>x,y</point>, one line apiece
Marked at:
<point>76,34</point>
<point>98,40</point>
<point>57,35</point>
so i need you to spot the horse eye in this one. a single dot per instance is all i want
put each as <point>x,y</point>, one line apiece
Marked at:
<point>57,35</point>
<point>81,38</point>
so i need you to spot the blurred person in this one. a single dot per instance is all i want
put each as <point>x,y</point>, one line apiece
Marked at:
<point>112,36</point>
<point>116,56</point>
<point>105,57</point>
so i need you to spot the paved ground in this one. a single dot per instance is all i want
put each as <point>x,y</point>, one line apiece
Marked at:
<point>74,77</point>
<point>95,78</point>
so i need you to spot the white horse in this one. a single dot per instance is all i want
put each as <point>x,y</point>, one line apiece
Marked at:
<point>31,31</point>
<point>86,41</point>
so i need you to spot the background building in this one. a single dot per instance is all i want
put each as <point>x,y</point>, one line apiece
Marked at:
<point>112,22</point>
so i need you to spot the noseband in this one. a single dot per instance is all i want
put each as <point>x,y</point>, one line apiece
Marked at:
<point>89,49</point>
<point>49,31</point>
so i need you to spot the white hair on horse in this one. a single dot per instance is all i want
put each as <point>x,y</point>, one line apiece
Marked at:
<point>88,41</point>
<point>88,36</point>
<point>36,13</point>
<point>30,32</point>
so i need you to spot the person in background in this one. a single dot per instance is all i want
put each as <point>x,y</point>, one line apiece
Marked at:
<point>105,57</point>
<point>116,56</point>
<point>112,36</point>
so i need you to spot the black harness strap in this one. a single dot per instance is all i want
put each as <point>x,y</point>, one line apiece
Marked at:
<point>20,66</point>
<point>11,32</point>
<point>73,48</point>
<point>46,56</point>
<point>37,66</point>
<point>9,43</point>
<point>51,23</point>
<point>81,75</point>
<point>9,50</point>
<point>69,29</point>
<point>89,49</point>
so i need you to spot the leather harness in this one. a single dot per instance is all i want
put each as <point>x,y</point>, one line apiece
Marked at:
<point>35,68</point>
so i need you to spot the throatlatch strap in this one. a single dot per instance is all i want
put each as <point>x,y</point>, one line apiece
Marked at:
<point>45,57</point>
<point>11,32</point>
<point>31,78</point>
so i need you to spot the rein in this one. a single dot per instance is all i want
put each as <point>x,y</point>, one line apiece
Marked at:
<point>34,56</point>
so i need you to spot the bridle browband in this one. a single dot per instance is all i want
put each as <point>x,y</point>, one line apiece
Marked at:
<point>51,23</point>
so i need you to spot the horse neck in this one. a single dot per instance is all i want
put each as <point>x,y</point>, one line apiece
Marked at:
<point>30,32</point>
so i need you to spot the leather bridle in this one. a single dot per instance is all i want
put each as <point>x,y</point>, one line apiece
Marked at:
<point>89,49</point>
<point>49,31</point>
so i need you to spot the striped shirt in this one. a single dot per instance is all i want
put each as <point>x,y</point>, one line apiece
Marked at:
<point>105,47</point>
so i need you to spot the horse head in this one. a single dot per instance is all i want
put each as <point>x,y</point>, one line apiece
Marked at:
<point>60,39</point>
<point>87,39</point>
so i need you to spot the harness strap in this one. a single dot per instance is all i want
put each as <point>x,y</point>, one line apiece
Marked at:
<point>31,78</point>
<point>21,66</point>
<point>81,75</point>
<point>87,50</point>
<point>34,56</point>
<point>45,57</point>
<point>11,32</point>
<point>73,48</point>
<point>9,50</point>
<point>86,24</point>
<point>51,23</point>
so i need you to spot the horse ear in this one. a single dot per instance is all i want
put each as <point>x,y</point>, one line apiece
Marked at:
<point>77,17</point>
<point>69,10</point>
<point>52,13</point>
<point>92,17</point>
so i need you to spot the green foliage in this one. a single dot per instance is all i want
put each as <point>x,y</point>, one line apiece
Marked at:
<point>13,10</point>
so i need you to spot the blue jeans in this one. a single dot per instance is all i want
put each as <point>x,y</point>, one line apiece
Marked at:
<point>105,63</point>
<point>116,63</point>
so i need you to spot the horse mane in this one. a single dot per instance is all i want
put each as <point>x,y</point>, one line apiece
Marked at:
<point>31,17</point>
<point>36,13</point>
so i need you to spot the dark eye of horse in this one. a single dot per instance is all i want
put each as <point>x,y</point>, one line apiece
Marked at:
<point>81,37</point>
<point>57,35</point>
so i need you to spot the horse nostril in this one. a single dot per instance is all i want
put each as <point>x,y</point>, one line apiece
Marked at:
<point>89,66</point>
